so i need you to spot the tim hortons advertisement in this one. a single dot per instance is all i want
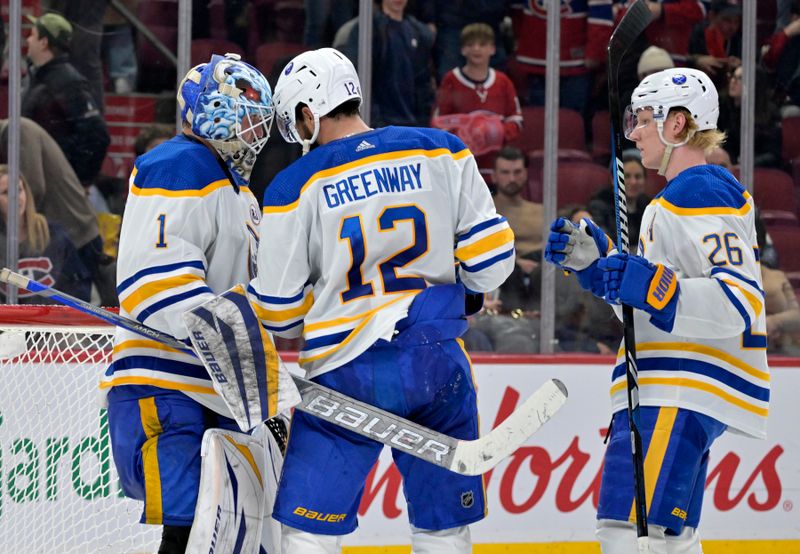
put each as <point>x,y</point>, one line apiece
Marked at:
<point>548,490</point>
<point>58,487</point>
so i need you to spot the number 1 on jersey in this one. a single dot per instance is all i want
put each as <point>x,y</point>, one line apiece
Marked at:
<point>162,226</point>
<point>353,232</point>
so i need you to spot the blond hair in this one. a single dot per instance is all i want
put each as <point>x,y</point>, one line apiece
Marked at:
<point>35,224</point>
<point>705,140</point>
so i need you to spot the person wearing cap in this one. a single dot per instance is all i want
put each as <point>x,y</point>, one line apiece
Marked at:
<point>58,97</point>
<point>653,60</point>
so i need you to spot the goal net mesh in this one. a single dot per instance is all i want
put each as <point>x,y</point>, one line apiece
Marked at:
<point>59,490</point>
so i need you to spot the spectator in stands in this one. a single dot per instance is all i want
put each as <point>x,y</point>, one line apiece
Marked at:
<point>510,320</point>
<point>58,98</point>
<point>585,30</point>
<point>781,55</point>
<point>86,18</point>
<point>401,63</point>
<point>715,46</point>
<point>46,254</point>
<point>602,206</point>
<point>58,193</point>
<point>780,303</point>
<point>478,89</point>
<point>151,136</point>
<point>653,60</point>
<point>673,21</point>
<point>767,140</point>
<point>448,17</point>
<point>119,50</point>
<point>524,217</point>
<point>323,19</point>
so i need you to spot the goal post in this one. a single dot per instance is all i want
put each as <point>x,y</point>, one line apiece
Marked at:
<point>59,491</point>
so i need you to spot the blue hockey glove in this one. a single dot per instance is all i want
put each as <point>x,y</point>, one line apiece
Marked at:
<point>578,248</point>
<point>634,281</point>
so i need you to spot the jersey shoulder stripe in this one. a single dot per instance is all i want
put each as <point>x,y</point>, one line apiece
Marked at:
<point>388,143</point>
<point>704,190</point>
<point>179,167</point>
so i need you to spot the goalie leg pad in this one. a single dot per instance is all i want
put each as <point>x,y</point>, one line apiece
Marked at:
<point>231,500</point>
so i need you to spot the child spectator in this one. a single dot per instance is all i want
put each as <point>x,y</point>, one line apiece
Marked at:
<point>45,252</point>
<point>476,87</point>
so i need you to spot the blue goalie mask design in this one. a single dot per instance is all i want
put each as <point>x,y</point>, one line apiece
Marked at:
<point>228,103</point>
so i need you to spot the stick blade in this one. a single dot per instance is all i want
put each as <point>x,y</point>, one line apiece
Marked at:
<point>479,456</point>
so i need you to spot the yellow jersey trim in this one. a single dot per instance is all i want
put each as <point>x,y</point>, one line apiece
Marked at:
<point>205,191</point>
<point>720,210</point>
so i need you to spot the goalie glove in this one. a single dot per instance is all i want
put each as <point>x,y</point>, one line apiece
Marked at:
<point>634,281</point>
<point>578,248</point>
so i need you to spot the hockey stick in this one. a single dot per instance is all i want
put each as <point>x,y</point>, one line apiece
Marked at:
<point>633,23</point>
<point>467,457</point>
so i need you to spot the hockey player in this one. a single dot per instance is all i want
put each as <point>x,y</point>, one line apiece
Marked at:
<point>360,237</point>
<point>699,315</point>
<point>190,232</point>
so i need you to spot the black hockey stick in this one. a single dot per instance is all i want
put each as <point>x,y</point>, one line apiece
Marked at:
<point>467,457</point>
<point>633,23</point>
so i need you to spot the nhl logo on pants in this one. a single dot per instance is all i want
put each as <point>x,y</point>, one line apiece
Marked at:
<point>467,499</point>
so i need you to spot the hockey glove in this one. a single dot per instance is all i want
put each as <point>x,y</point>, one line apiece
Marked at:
<point>578,248</point>
<point>634,281</point>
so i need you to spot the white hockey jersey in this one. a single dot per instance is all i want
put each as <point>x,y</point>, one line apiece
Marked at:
<point>354,230</point>
<point>714,359</point>
<point>187,235</point>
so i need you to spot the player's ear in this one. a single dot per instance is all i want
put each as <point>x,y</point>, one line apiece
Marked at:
<point>308,115</point>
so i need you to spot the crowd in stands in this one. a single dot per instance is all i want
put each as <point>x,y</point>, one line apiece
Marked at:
<point>473,67</point>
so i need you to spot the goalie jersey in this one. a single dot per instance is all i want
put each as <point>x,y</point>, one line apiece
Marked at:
<point>714,359</point>
<point>355,229</point>
<point>188,234</point>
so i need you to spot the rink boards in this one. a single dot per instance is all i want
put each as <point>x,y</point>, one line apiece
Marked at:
<point>547,491</point>
<point>541,500</point>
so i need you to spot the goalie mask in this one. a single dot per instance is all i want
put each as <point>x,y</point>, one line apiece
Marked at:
<point>228,103</point>
<point>321,79</point>
<point>678,87</point>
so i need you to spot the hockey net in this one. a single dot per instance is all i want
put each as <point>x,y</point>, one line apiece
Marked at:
<point>59,491</point>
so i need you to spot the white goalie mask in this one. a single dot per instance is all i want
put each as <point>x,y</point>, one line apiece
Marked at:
<point>678,87</point>
<point>321,79</point>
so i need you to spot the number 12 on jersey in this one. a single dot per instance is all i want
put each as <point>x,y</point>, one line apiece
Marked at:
<point>352,231</point>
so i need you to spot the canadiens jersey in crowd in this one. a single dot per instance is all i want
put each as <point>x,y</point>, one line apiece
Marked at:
<point>714,358</point>
<point>187,235</point>
<point>585,30</point>
<point>59,266</point>
<point>460,94</point>
<point>358,227</point>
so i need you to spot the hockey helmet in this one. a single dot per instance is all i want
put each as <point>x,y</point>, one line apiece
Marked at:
<point>673,88</point>
<point>228,103</point>
<point>323,80</point>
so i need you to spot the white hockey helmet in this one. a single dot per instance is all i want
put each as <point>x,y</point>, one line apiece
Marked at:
<point>321,79</point>
<point>677,87</point>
